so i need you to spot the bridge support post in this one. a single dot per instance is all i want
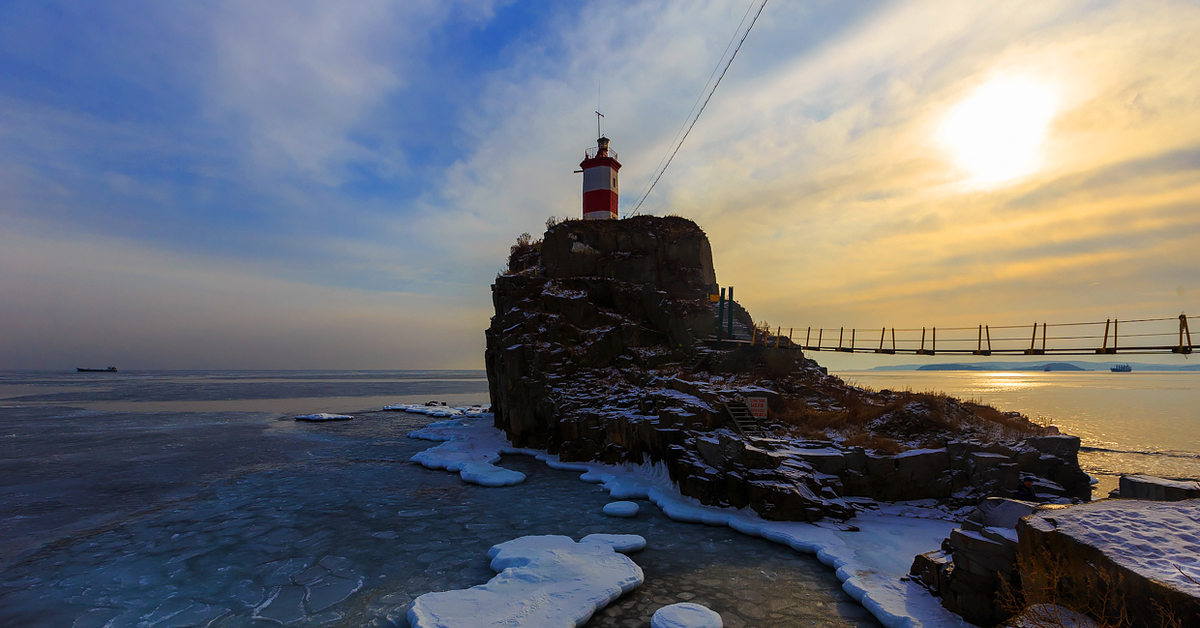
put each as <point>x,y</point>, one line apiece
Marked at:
<point>1184,332</point>
<point>730,329</point>
<point>720,315</point>
<point>979,350</point>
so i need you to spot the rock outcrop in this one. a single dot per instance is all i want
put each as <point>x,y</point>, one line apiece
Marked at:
<point>977,563</point>
<point>583,348</point>
<point>1157,489</point>
<point>602,348</point>
<point>1115,560</point>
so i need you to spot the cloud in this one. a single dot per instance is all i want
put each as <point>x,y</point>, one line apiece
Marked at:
<point>356,153</point>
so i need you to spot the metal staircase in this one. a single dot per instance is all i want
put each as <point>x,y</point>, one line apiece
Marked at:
<point>697,361</point>
<point>743,420</point>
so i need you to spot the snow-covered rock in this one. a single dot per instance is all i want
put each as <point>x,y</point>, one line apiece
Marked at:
<point>541,582</point>
<point>1042,615</point>
<point>685,615</point>
<point>1158,489</point>
<point>1148,551</point>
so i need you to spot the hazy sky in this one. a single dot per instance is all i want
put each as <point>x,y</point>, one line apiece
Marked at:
<point>336,184</point>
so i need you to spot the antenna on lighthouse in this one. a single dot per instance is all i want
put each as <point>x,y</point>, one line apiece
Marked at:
<point>598,116</point>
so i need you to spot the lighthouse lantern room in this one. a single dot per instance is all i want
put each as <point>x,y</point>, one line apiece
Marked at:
<point>600,168</point>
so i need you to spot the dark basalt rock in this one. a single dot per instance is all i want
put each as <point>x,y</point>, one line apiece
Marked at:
<point>574,354</point>
<point>587,357</point>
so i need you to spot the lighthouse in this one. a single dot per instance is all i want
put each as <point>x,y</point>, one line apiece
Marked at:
<point>600,168</point>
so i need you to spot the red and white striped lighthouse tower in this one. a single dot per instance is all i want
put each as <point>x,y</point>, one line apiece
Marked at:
<point>600,182</point>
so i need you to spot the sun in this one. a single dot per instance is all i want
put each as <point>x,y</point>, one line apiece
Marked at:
<point>997,133</point>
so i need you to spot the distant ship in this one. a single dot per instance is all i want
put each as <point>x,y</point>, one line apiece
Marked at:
<point>111,369</point>
<point>1121,368</point>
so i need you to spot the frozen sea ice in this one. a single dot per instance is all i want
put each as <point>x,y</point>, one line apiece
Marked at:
<point>541,582</point>
<point>324,416</point>
<point>621,509</point>
<point>685,615</point>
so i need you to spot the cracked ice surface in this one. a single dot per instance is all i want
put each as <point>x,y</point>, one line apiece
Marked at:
<point>541,582</point>
<point>872,563</point>
<point>160,519</point>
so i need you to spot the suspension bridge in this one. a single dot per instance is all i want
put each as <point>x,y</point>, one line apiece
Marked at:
<point>1140,336</point>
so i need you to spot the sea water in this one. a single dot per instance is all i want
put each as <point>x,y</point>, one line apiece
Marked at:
<point>1140,422</point>
<point>169,499</point>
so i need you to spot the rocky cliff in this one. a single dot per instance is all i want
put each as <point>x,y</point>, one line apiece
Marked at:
<point>602,348</point>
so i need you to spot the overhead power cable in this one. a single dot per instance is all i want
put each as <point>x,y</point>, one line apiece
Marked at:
<point>700,96</point>
<point>679,145</point>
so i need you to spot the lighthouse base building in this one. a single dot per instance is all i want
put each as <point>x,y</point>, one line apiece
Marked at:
<point>600,168</point>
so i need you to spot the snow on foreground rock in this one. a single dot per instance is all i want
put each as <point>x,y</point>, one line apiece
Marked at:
<point>685,615</point>
<point>872,563</point>
<point>541,582</point>
<point>1159,541</point>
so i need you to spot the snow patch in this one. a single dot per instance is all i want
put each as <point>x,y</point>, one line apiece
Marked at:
<point>469,447</point>
<point>541,581</point>
<point>1040,615</point>
<point>685,615</point>
<point>1158,540</point>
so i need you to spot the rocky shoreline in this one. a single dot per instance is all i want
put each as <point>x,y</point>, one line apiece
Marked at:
<point>604,348</point>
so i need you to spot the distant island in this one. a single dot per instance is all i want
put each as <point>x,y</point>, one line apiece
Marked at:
<point>1037,366</point>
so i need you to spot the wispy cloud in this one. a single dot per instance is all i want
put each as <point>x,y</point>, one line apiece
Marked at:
<point>318,152</point>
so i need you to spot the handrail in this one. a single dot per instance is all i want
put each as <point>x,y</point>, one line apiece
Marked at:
<point>1107,337</point>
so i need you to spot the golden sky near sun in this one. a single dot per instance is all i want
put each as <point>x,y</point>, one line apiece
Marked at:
<point>1050,173</point>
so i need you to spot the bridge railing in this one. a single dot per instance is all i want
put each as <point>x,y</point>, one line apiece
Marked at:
<point>1108,337</point>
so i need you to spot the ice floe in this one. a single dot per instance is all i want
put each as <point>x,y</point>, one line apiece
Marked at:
<point>438,410</point>
<point>541,582</point>
<point>685,615</point>
<point>470,447</point>
<point>872,562</point>
<point>621,509</point>
<point>324,416</point>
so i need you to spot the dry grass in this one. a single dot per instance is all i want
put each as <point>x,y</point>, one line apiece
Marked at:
<point>882,422</point>
<point>525,254</point>
<point>866,440</point>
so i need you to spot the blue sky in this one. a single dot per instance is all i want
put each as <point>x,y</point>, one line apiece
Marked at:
<point>334,185</point>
